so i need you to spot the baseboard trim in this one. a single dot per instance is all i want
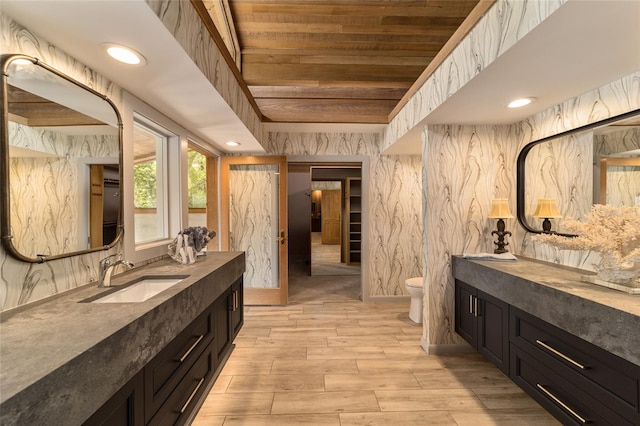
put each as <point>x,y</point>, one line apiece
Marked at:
<point>449,349</point>
<point>389,299</point>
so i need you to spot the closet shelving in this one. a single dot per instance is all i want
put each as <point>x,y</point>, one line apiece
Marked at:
<point>354,215</point>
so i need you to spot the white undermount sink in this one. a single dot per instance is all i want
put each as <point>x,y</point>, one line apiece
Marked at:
<point>140,290</point>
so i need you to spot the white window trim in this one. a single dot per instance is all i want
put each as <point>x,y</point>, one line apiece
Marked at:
<point>134,107</point>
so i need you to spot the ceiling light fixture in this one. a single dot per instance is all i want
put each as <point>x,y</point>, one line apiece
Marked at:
<point>124,54</point>
<point>232,143</point>
<point>520,102</point>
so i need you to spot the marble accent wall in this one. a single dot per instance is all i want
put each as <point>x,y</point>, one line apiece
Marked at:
<point>183,22</point>
<point>253,222</point>
<point>21,282</point>
<point>464,168</point>
<point>394,210</point>
<point>499,29</point>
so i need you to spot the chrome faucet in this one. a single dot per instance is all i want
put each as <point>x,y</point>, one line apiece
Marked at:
<point>107,267</point>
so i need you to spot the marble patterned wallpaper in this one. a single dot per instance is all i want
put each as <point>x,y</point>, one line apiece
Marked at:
<point>560,169</point>
<point>21,282</point>
<point>45,222</point>
<point>183,22</point>
<point>253,219</point>
<point>394,210</point>
<point>623,183</point>
<point>499,29</point>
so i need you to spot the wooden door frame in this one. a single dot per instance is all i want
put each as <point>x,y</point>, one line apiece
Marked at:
<point>212,192</point>
<point>258,296</point>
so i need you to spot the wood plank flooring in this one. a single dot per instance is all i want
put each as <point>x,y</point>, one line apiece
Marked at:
<point>330,359</point>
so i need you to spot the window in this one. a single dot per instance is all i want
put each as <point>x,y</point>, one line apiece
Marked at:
<point>197,187</point>
<point>150,181</point>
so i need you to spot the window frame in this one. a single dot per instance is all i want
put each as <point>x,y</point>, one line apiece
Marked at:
<point>136,111</point>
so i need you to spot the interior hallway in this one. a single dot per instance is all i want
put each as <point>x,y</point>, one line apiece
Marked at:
<point>325,259</point>
<point>329,359</point>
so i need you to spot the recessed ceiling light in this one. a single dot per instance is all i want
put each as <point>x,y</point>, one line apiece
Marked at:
<point>232,143</point>
<point>124,54</point>
<point>520,102</point>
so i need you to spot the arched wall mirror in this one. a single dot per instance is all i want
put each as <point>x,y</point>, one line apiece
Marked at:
<point>60,162</point>
<point>597,163</point>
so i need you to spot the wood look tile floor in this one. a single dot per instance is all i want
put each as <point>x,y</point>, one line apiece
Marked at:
<point>329,359</point>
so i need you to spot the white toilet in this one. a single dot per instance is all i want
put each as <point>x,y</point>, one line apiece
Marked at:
<point>415,289</point>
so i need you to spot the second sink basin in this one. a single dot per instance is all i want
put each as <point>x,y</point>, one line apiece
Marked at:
<point>140,290</point>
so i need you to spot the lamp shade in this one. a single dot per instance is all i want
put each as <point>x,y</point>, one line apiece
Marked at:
<point>500,209</point>
<point>547,208</point>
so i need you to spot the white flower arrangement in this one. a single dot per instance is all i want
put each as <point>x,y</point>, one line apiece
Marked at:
<point>612,231</point>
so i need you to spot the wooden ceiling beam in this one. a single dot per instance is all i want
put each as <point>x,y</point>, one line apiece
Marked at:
<point>255,39</point>
<point>350,28</point>
<point>284,58</point>
<point>326,110</point>
<point>448,9</point>
<point>301,92</point>
<point>338,53</point>
<point>270,74</point>
<point>312,45</point>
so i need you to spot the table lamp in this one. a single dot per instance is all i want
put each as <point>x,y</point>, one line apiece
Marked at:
<point>547,209</point>
<point>500,210</point>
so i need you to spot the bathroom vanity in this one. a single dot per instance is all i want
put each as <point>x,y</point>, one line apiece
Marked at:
<point>574,347</point>
<point>66,360</point>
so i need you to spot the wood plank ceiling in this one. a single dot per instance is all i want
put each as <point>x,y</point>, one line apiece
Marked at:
<point>338,61</point>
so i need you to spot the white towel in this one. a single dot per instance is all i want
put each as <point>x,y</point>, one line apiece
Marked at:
<point>502,257</point>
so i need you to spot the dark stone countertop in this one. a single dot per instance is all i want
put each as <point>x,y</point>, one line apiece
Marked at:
<point>61,359</point>
<point>605,317</point>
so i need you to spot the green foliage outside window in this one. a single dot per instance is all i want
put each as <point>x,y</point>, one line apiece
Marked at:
<point>145,185</point>
<point>197,179</point>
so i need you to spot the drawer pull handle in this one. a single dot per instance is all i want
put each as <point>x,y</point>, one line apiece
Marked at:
<point>475,306</point>
<point>471,304</point>
<point>186,354</point>
<point>561,355</point>
<point>195,391</point>
<point>562,404</point>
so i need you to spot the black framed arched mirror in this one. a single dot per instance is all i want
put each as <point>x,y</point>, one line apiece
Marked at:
<point>603,158</point>
<point>60,162</point>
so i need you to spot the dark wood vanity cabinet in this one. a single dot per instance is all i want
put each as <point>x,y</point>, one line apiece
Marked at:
<point>126,407</point>
<point>483,321</point>
<point>164,375</point>
<point>575,380</point>
<point>169,387</point>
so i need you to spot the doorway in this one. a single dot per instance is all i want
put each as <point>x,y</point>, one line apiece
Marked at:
<point>319,219</point>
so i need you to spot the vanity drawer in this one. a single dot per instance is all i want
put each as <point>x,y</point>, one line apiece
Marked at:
<point>165,371</point>
<point>570,404</point>
<point>176,409</point>
<point>608,378</point>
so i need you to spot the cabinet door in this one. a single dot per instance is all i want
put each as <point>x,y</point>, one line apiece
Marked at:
<point>493,330</point>
<point>465,324</point>
<point>236,310</point>
<point>222,325</point>
<point>125,408</point>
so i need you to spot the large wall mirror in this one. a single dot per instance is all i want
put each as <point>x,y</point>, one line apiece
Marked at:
<point>60,164</point>
<point>598,163</point>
